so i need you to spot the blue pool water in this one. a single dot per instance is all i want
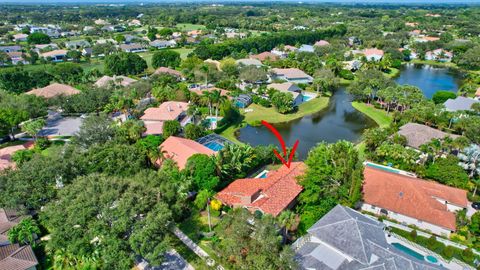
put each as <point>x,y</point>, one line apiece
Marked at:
<point>214,146</point>
<point>408,251</point>
<point>263,175</point>
<point>431,259</point>
<point>382,168</point>
<point>306,98</point>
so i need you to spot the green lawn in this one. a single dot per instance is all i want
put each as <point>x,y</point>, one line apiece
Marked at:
<point>272,116</point>
<point>190,27</point>
<point>148,56</point>
<point>379,116</point>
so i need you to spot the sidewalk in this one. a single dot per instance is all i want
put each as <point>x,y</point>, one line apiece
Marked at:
<point>195,248</point>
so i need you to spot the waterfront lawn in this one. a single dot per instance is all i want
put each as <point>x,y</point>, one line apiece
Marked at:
<point>379,116</point>
<point>270,115</point>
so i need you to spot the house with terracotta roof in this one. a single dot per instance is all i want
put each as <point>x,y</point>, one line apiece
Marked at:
<point>169,71</point>
<point>6,155</point>
<point>293,75</point>
<point>373,54</point>
<point>180,149</point>
<point>413,201</point>
<point>265,56</point>
<point>16,257</point>
<point>321,43</point>
<point>115,80</point>
<point>423,39</point>
<point>54,90</point>
<point>440,55</point>
<point>288,87</point>
<point>153,118</point>
<point>477,93</point>
<point>20,37</point>
<point>270,195</point>
<point>201,91</point>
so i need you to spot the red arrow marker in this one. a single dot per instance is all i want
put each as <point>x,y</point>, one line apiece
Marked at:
<point>282,143</point>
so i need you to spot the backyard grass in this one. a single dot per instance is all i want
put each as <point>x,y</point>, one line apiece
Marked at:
<point>379,116</point>
<point>190,27</point>
<point>272,116</point>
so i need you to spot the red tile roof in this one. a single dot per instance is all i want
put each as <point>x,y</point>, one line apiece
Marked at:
<point>180,149</point>
<point>169,110</point>
<point>270,195</point>
<point>413,197</point>
<point>199,91</point>
<point>165,70</point>
<point>7,152</point>
<point>53,90</point>
<point>264,56</point>
<point>153,127</point>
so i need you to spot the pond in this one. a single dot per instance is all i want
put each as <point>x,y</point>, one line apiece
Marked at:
<point>429,78</point>
<point>340,121</point>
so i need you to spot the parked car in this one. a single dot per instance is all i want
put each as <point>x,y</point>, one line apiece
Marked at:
<point>476,205</point>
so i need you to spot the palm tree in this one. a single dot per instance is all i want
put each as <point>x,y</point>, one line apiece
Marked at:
<point>204,69</point>
<point>156,155</point>
<point>287,220</point>
<point>207,95</point>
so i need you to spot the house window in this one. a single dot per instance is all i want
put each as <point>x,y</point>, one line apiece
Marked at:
<point>372,206</point>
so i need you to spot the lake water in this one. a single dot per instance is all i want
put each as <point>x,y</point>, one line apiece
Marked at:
<point>340,121</point>
<point>429,78</point>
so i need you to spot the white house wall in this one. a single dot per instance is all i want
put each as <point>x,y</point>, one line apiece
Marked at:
<point>435,229</point>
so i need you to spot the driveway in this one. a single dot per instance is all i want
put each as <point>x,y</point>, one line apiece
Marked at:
<point>61,126</point>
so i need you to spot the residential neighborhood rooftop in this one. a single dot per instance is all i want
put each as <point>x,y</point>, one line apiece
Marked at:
<point>169,110</point>
<point>413,197</point>
<point>120,80</point>
<point>460,104</point>
<point>16,257</point>
<point>270,195</point>
<point>180,149</point>
<point>418,134</point>
<point>54,90</point>
<point>347,239</point>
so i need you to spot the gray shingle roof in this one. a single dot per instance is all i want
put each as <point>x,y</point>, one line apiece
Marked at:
<point>346,239</point>
<point>460,104</point>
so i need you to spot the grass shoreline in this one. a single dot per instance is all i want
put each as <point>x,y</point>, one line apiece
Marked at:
<point>273,117</point>
<point>379,116</point>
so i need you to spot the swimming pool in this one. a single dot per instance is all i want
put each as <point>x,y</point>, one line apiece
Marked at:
<point>411,252</point>
<point>381,167</point>
<point>214,146</point>
<point>308,96</point>
<point>263,174</point>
